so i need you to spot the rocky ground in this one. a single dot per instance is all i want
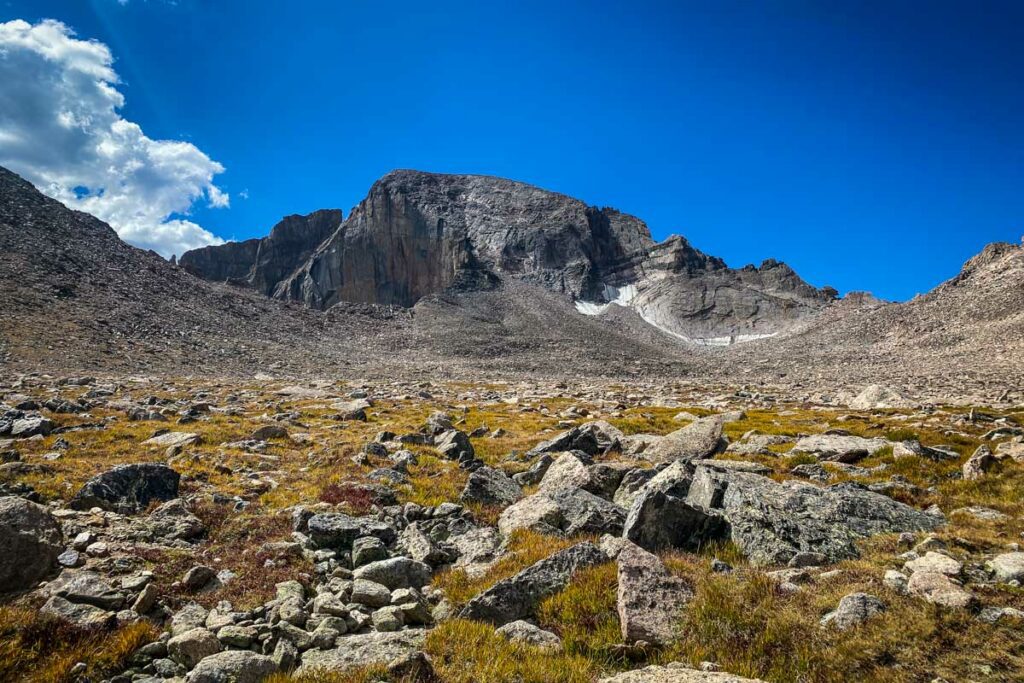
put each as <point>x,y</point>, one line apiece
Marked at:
<point>210,531</point>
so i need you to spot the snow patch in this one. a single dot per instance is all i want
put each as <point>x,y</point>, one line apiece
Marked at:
<point>624,296</point>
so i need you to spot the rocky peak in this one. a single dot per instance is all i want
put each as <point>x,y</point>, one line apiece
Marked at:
<point>417,234</point>
<point>262,263</point>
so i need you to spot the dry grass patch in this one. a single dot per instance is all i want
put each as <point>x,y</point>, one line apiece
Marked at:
<point>524,548</point>
<point>471,652</point>
<point>36,648</point>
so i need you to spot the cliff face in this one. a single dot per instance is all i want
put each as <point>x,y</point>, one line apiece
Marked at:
<point>418,234</point>
<point>263,263</point>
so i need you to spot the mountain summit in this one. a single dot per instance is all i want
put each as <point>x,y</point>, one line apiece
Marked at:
<point>417,234</point>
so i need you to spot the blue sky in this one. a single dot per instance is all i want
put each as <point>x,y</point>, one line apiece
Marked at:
<point>871,145</point>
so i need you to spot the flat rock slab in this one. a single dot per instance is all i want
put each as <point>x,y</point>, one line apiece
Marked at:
<point>700,439</point>
<point>839,448</point>
<point>174,439</point>
<point>363,650</point>
<point>676,673</point>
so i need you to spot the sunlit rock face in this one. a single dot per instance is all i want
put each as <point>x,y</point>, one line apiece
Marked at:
<point>418,234</point>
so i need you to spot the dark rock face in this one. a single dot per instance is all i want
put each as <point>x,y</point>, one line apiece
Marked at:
<point>128,488</point>
<point>418,234</point>
<point>31,540</point>
<point>263,263</point>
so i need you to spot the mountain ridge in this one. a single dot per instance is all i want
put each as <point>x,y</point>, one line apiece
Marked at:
<point>418,233</point>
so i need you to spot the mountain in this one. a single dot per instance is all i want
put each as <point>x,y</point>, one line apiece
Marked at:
<point>75,298</point>
<point>417,234</point>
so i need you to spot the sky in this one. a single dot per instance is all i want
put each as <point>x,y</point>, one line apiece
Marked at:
<point>871,145</point>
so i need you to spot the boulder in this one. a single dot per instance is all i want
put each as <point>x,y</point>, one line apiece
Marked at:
<point>590,438</point>
<point>396,572</point>
<point>79,614</point>
<point>675,672</point>
<point>489,486</point>
<point>934,562</point>
<point>980,462</point>
<point>454,445</point>
<point>771,521</point>
<point>939,589</point>
<point>1008,567</point>
<point>128,488</point>
<point>699,439</point>
<point>233,666</point>
<point>174,440</point>
<point>31,540</point>
<point>838,447</point>
<point>517,597</point>
<point>564,512</point>
<point>853,609</point>
<point>650,599</point>
<point>338,530</point>
<point>877,396</point>
<point>35,425</point>
<point>657,520</point>
<point>191,647</point>
<point>526,633</point>
<point>174,521</point>
<point>365,649</point>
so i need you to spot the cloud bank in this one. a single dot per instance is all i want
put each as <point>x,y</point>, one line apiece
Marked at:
<point>60,128</point>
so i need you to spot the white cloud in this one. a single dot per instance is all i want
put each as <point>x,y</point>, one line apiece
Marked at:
<point>60,128</point>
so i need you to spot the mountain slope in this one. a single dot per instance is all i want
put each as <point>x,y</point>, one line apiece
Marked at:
<point>418,234</point>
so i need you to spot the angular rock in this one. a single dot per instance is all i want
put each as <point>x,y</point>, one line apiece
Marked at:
<point>174,440</point>
<point>838,447</point>
<point>233,666</point>
<point>853,610</point>
<point>518,597</point>
<point>362,650</point>
<point>524,632</point>
<point>396,572</point>
<point>79,614</point>
<point>31,540</point>
<point>657,520</point>
<point>489,486</point>
<point>338,530</point>
<point>191,647</point>
<point>1008,567</point>
<point>697,440</point>
<point>650,599</point>
<point>772,522</point>
<point>564,512</point>
<point>939,589</point>
<point>934,562</point>
<point>128,488</point>
<point>455,445</point>
<point>980,462</point>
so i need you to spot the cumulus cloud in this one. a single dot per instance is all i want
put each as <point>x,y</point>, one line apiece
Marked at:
<point>60,128</point>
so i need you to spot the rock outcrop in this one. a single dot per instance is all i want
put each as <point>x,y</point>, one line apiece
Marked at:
<point>264,263</point>
<point>418,234</point>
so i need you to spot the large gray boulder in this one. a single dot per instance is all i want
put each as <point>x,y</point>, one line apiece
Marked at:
<point>772,522</point>
<point>650,599</point>
<point>338,530</point>
<point>30,539</point>
<point>395,572</point>
<point>128,488</point>
<point>658,520</point>
<point>563,512</point>
<point>232,666</point>
<point>489,486</point>
<point>699,439</point>
<point>518,597</point>
<point>839,447</point>
<point>365,649</point>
